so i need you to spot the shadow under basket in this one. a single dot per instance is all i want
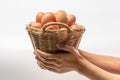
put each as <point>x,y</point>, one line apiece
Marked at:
<point>46,40</point>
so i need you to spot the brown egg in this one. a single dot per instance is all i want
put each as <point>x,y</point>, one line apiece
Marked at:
<point>62,29</point>
<point>71,19</point>
<point>52,27</point>
<point>74,26</point>
<point>36,25</point>
<point>39,16</point>
<point>47,17</point>
<point>61,16</point>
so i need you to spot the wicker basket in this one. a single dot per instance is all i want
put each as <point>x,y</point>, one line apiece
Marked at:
<point>46,40</point>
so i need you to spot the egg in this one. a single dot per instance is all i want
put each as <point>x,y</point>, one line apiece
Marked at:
<point>39,16</point>
<point>62,29</point>
<point>74,26</point>
<point>36,25</point>
<point>47,17</point>
<point>71,19</point>
<point>52,27</point>
<point>61,16</point>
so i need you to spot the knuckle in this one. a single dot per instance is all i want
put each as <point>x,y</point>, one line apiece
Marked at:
<point>59,65</point>
<point>47,56</point>
<point>44,60</point>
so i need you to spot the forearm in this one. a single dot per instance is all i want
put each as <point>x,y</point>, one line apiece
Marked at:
<point>108,63</point>
<point>95,73</point>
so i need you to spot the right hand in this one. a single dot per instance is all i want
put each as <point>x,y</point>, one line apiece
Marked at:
<point>60,62</point>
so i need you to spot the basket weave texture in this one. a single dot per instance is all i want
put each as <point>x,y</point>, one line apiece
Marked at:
<point>46,40</point>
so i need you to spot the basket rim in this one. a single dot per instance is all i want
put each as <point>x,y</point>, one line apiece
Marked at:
<point>28,28</point>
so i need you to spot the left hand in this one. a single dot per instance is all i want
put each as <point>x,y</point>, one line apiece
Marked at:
<point>59,62</point>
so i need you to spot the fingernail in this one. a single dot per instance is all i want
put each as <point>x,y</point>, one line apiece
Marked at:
<point>36,53</point>
<point>35,57</point>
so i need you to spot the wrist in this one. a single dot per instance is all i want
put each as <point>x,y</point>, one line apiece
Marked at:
<point>87,69</point>
<point>82,67</point>
<point>82,53</point>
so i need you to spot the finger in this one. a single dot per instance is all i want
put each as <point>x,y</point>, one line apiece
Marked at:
<point>47,66</point>
<point>37,55</point>
<point>50,67</point>
<point>70,49</point>
<point>42,67</point>
<point>35,51</point>
<point>46,55</point>
<point>48,61</point>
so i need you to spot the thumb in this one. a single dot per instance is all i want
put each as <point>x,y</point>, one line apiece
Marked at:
<point>69,49</point>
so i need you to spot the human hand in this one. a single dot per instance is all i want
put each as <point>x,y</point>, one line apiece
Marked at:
<point>65,62</point>
<point>59,62</point>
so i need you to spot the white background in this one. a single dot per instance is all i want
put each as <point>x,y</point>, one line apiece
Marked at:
<point>101,19</point>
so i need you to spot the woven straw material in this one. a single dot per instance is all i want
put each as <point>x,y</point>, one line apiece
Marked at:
<point>46,40</point>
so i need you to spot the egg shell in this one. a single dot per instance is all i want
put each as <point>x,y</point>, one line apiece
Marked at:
<point>61,11</point>
<point>71,19</point>
<point>61,16</point>
<point>74,26</point>
<point>62,29</point>
<point>47,17</point>
<point>53,27</point>
<point>39,16</point>
<point>36,25</point>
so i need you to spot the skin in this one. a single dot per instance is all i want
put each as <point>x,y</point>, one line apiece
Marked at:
<point>88,64</point>
<point>108,63</point>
